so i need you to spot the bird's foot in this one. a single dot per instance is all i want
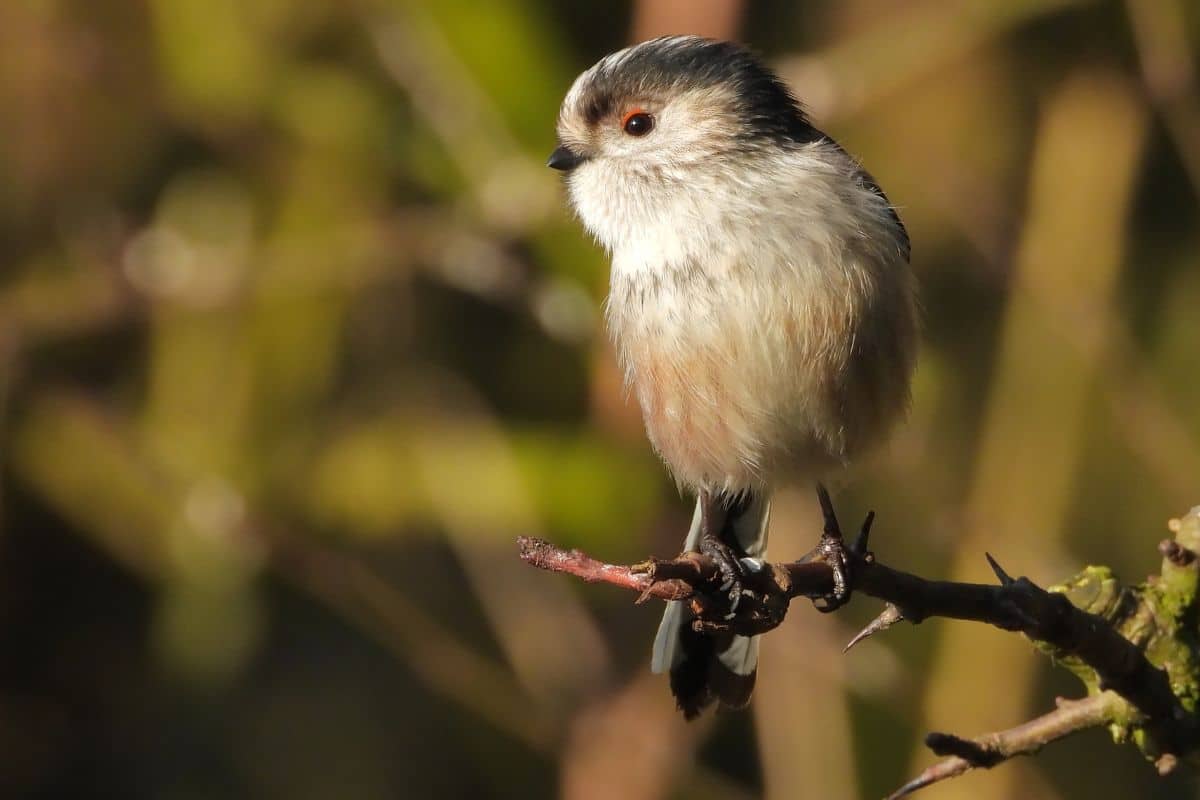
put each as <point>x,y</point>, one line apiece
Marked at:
<point>730,568</point>
<point>833,550</point>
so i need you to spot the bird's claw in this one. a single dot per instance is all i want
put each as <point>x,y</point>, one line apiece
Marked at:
<point>730,569</point>
<point>832,550</point>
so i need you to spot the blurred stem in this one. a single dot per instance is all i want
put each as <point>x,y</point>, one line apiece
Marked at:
<point>1051,349</point>
<point>478,524</point>
<point>1144,418</point>
<point>511,191</point>
<point>443,663</point>
<point>1160,32</point>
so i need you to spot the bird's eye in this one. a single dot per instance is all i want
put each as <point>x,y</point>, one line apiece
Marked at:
<point>637,123</point>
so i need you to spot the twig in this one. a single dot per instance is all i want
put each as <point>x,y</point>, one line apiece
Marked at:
<point>991,749</point>
<point>886,619</point>
<point>544,555</point>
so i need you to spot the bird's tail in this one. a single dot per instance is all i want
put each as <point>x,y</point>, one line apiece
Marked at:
<point>707,668</point>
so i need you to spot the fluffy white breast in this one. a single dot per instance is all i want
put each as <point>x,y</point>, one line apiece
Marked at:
<point>763,314</point>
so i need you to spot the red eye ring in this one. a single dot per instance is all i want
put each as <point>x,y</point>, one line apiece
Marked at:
<point>637,122</point>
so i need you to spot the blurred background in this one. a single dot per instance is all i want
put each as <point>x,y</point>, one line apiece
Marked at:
<point>296,337</point>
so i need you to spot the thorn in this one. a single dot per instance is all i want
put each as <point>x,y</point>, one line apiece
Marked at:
<point>919,782</point>
<point>864,535</point>
<point>644,596</point>
<point>1004,578</point>
<point>886,619</point>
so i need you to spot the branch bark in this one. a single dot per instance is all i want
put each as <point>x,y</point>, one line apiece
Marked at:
<point>1107,649</point>
<point>1014,604</point>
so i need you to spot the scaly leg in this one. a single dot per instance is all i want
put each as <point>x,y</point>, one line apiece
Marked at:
<point>713,518</point>
<point>833,551</point>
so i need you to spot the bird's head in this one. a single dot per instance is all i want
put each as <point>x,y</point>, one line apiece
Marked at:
<point>652,125</point>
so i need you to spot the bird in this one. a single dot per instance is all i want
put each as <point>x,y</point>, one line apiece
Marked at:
<point>761,304</point>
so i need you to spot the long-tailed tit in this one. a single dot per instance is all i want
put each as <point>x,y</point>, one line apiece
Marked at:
<point>761,300</point>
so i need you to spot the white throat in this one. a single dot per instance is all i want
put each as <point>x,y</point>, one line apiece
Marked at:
<point>657,224</point>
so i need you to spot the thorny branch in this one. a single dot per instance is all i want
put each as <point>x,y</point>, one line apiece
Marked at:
<point>1012,605</point>
<point>1126,690</point>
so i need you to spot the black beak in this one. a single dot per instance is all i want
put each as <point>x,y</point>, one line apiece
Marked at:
<point>564,159</point>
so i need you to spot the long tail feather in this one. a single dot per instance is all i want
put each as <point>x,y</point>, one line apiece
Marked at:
<point>707,668</point>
